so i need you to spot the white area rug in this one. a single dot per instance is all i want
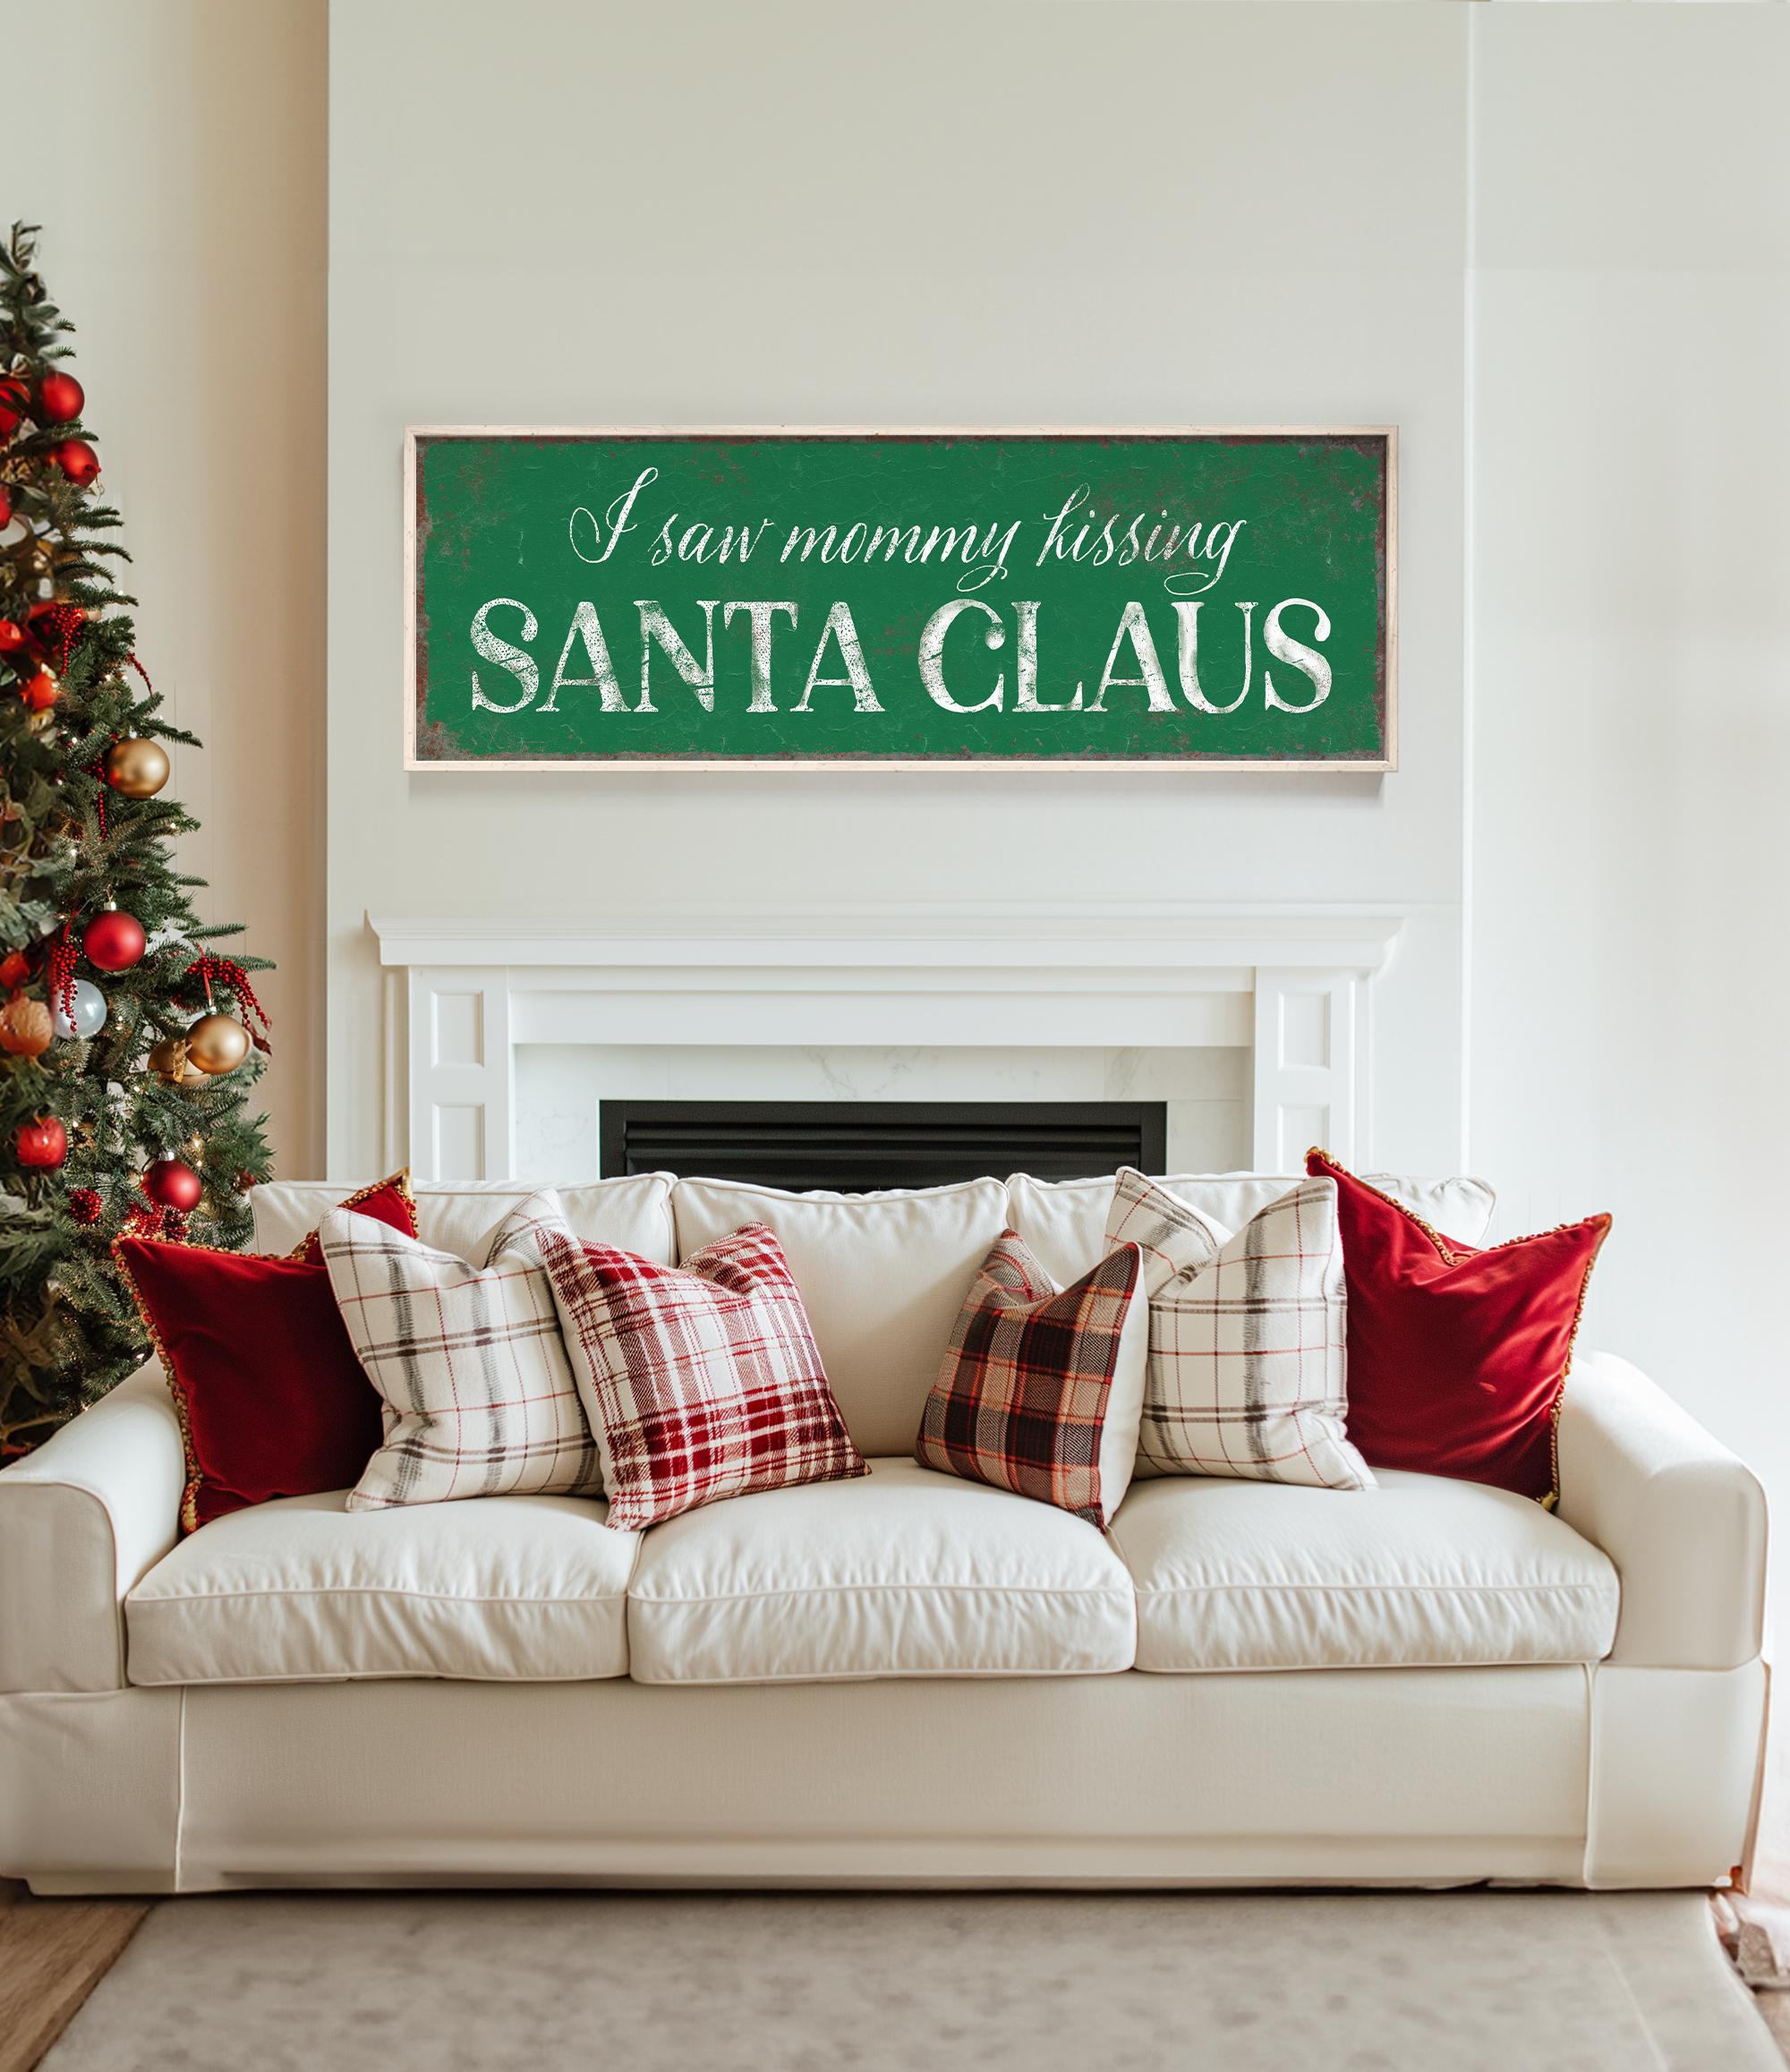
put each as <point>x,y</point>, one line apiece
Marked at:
<point>752,1982</point>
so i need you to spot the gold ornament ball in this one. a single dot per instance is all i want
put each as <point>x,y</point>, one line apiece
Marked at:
<point>25,1027</point>
<point>169,1061</point>
<point>217,1043</point>
<point>137,767</point>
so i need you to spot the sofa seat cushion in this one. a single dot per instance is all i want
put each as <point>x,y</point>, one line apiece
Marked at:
<point>491,1588</point>
<point>907,1574</point>
<point>1420,1573</point>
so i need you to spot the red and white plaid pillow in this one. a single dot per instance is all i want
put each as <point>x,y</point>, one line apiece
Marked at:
<point>1042,1387</point>
<point>701,1381</point>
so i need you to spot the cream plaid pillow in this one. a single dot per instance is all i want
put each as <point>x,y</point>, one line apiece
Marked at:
<point>1247,1374</point>
<point>479,1397</point>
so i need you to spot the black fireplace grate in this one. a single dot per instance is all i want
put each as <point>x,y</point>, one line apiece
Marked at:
<point>856,1146</point>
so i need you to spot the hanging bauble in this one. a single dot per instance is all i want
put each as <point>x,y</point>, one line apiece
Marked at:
<point>173,1184</point>
<point>168,1060</point>
<point>42,692</point>
<point>41,1144</point>
<point>25,1027</point>
<point>86,1205</point>
<point>85,1015</point>
<point>60,399</point>
<point>13,397</point>
<point>137,767</point>
<point>78,461</point>
<point>15,968</point>
<point>113,940</point>
<point>12,636</point>
<point>217,1043</point>
<point>5,507</point>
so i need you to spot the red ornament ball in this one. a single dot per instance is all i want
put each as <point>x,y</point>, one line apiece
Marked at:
<point>113,940</point>
<point>60,398</point>
<point>78,461</point>
<point>40,693</point>
<point>42,1144</point>
<point>15,968</point>
<point>5,507</point>
<point>85,1204</point>
<point>12,636</point>
<point>13,397</point>
<point>173,1184</point>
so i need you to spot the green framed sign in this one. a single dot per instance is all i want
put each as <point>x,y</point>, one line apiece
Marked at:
<point>1017,599</point>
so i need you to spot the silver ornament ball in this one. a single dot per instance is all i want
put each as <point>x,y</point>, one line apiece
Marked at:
<point>89,1015</point>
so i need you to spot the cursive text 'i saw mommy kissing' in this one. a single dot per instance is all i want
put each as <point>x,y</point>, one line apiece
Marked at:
<point>1187,557</point>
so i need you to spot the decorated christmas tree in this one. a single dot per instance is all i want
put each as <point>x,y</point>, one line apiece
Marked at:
<point>128,1045</point>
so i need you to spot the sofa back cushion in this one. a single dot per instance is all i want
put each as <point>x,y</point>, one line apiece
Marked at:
<point>1064,1221</point>
<point>462,1216</point>
<point>882,1275</point>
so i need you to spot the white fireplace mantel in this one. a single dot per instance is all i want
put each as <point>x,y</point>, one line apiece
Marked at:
<point>1291,984</point>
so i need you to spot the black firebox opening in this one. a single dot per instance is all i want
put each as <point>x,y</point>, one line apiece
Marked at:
<point>854,1146</point>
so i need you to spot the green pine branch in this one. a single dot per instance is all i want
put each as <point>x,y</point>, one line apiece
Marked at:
<point>69,845</point>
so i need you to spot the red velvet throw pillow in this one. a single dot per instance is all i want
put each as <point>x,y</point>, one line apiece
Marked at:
<point>1457,1356</point>
<point>271,1399</point>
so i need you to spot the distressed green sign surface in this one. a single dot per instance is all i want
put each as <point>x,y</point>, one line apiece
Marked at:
<point>618,597</point>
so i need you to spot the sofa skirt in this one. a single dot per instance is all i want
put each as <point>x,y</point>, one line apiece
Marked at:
<point>1600,1777</point>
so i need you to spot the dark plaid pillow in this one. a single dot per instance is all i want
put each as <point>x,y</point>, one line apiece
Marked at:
<point>1042,1387</point>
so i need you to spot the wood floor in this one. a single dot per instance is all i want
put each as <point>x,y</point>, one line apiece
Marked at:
<point>53,1953</point>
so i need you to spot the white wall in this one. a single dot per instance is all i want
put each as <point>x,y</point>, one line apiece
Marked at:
<point>1223,212</point>
<point>804,213</point>
<point>1630,551</point>
<point>173,153</point>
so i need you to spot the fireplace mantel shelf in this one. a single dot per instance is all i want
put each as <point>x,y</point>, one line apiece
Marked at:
<point>1291,983</point>
<point>1360,939</point>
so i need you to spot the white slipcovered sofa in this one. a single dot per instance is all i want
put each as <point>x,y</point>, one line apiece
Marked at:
<point>908,1680</point>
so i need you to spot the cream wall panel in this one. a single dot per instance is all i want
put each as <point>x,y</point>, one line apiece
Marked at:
<point>1631,749</point>
<point>173,153</point>
<point>799,212</point>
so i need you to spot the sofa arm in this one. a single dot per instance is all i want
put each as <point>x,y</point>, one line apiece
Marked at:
<point>1682,1520</point>
<point>80,1520</point>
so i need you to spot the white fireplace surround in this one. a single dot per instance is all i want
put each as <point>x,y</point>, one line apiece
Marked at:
<point>1291,985</point>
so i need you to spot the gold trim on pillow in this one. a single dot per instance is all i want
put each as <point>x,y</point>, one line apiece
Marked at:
<point>176,1385</point>
<point>1451,1257</point>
